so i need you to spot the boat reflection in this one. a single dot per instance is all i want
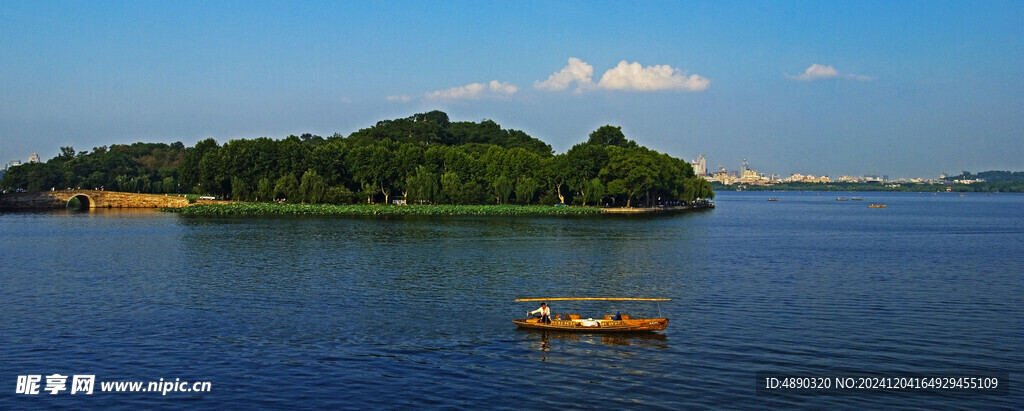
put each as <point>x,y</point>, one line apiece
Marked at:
<point>644,339</point>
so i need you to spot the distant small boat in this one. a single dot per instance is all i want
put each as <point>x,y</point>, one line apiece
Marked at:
<point>842,199</point>
<point>858,199</point>
<point>877,206</point>
<point>773,199</point>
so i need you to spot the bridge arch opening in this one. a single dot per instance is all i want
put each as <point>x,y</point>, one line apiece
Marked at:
<point>80,202</point>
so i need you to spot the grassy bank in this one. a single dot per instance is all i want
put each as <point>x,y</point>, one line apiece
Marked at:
<point>257,209</point>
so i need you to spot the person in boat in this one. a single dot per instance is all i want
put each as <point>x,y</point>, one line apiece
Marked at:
<point>544,313</point>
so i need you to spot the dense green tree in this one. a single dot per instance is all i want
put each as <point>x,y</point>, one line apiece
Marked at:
<point>250,160</point>
<point>143,184</point>
<point>473,193</point>
<point>239,189</point>
<point>188,171</point>
<point>526,188</point>
<point>501,189</point>
<point>555,172</point>
<point>490,133</point>
<point>287,187</point>
<point>615,188</point>
<point>583,163</point>
<point>293,156</point>
<point>340,195</point>
<point>701,188</point>
<point>214,174</point>
<point>451,187</point>
<point>407,158</point>
<point>168,185</point>
<point>329,161</point>
<point>634,170</point>
<point>426,157</point>
<point>609,135</point>
<point>123,183</point>
<point>376,166</point>
<point>368,191</point>
<point>422,185</point>
<point>592,191</point>
<point>312,188</point>
<point>264,190</point>
<point>67,153</point>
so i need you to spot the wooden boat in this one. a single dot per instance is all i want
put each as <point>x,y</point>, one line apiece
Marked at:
<point>608,324</point>
<point>877,205</point>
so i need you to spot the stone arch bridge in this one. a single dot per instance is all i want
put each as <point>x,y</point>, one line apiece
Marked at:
<point>90,199</point>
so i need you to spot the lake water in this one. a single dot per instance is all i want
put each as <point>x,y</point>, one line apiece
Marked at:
<point>392,313</point>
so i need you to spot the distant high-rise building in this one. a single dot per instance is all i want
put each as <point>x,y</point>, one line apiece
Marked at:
<point>700,167</point>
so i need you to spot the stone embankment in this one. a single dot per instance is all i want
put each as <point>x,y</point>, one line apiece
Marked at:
<point>90,199</point>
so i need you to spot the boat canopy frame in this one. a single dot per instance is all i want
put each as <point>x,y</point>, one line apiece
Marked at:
<point>591,299</point>
<point>658,300</point>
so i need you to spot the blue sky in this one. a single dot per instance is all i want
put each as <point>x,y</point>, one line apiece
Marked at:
<point>905,89</point>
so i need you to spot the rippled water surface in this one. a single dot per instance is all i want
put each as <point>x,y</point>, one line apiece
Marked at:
<point>369,313</point>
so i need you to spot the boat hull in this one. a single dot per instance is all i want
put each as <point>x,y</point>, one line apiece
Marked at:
<point>604,326</point>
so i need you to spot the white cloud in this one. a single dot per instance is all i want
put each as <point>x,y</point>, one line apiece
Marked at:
<point>819,71</point>
<point>502,88</point>
<point>577,71</point>
<point>816,71</point>
<point>633,76</point>
<point>474,91</point>
<point>402,98</point>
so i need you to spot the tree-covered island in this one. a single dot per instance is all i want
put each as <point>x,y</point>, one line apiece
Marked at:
<point>421,159</point>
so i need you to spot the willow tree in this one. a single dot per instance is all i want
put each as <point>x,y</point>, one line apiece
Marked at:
<point>502,188</point>
<point>422,185</point>
<point>313,188</point>
<point>264,190</point>
<point>592,191</point>
<point>697,188</point>
<point>239,189</point>
<point>526,187</point>
<point>287,186</point>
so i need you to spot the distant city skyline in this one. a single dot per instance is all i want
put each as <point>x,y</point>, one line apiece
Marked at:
<point>738,169</point>
<point>907,89</point>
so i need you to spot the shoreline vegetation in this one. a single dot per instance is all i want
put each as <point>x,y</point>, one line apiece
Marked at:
<point>261,209</point>
<point>424,158</point>
<point>271,209</point>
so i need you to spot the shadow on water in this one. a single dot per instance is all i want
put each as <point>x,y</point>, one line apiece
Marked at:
<point>544,338</point>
